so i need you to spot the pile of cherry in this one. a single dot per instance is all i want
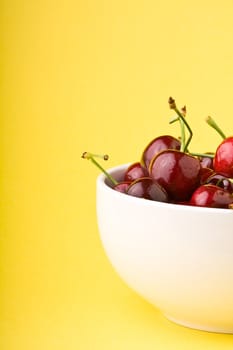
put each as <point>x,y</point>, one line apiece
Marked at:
<point>168,172</point>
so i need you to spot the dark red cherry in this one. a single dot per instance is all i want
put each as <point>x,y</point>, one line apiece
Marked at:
<point>177,172</point>
<point>206,162</point>
<point>147,188</point>
<point>220,181</point>
<point>223,160</point>
<point>122,186</point>
<point>211,196</point>
<point>135,171</point>
<point>157,145</point>
<point>204,174</point>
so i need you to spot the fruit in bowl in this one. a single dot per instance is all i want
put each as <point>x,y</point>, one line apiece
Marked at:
<point>177,257</point>
<point>166,226</point>
<point>169,172</point>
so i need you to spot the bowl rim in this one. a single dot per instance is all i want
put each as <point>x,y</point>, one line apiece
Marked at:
<point>102,183</point>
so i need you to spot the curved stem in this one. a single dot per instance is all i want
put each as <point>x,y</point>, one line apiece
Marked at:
<point>182,129</point>
<point>91,157</point>
<point>187,126</point>
<point>209,155</point>
<point>211,122</point>
<point>172,104</point>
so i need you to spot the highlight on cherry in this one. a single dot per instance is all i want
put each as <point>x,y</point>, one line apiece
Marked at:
<point>167,171</point>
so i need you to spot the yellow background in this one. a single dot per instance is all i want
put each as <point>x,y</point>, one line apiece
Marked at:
<point>94,75</point>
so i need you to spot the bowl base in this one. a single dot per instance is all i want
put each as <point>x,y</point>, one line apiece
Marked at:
<point>200,327</point>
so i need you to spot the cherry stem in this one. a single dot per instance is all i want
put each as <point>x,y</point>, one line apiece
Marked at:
<point>188,127</point>
<point>182,130</point>
<point>91,157</point>
<point>208,155</point>
<point>211,122</point>
<point>184,145</point>
<point>182,125</point>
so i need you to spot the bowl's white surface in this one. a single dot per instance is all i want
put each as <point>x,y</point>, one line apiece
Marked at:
<point>179,258</point>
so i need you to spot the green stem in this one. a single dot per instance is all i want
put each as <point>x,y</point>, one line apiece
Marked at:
<point>184,145</point>
<point>90,156</point>
<point>187,126</point>
<point>104,171</point>
<point>209,155</point>
<point>174,120</point>
<point>182,130</point>
<point>211,122</point>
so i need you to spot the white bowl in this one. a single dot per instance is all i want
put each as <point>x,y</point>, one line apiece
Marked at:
<point>177,257</point>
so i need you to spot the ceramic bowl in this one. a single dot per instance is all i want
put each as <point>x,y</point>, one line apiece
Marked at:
<point>177,257</point>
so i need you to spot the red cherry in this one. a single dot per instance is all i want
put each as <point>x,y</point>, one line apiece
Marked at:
<point>211,196</point>
<point>147,188</point>
<point>220,181</point>
<point>157,145</point>
<point>206,162</point>
<point>177,172</point>
<point>223,160</point>
<point>135,171</point>
<point>204,174</point>
<point>122,186</point>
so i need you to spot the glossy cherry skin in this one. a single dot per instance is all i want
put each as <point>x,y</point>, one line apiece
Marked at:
<point>211,196</point>
<point>122,186</point>
<point>177,172</point>
<point>206,162</point>
<point>157,145</point>
<point>147,188</point>
<point>204,174</point>
<point>135,171</point>
<point>223,160</point>
<point>220,181</point>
